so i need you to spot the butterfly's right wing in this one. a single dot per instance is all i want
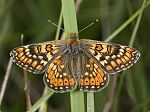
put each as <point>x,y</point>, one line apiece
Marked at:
<point>111,57</point>
<point>36,57</point>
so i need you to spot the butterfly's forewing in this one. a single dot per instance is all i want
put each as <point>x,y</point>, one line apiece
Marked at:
<point>58,76</point>
<point>36,57</point>
<point>92,77</point>
<point>111,57</point>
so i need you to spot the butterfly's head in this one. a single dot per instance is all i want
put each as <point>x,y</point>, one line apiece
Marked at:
<point>73,36</point>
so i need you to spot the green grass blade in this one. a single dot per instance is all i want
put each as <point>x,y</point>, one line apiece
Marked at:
<point>40,101</point>
<point>137,24</point>
<point>69,16</point>
<point>130,44</point>
<point>59,25</point>
<point>70,24</point>
<point>90,102</point>
<point>77,101</point>
<point>44,105</point>
<point>126,23</point>
<point>141,105</point>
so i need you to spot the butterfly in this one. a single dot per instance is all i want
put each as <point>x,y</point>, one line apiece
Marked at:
<point>71,63</point>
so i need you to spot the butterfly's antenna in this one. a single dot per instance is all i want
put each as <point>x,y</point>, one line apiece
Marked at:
<point>55,24</point>
<point>88,25</point>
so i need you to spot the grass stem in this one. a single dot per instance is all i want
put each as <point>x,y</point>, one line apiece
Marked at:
<point>70,24</point>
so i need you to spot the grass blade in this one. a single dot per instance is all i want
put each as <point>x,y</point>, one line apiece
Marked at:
<point>126,23</point>
<point>90,102</point>
<point>70,24</point>
<point>40,101</point>
<point>130,44</point>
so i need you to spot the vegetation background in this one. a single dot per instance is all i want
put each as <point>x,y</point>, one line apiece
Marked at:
<point>126,92</point>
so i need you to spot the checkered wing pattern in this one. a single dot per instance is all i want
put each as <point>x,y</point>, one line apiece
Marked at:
<point>92,77</point>
<point>112,58</point>
<point>36,57</point>
<point>58,76</point>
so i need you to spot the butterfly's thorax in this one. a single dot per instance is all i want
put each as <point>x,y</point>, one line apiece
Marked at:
<point>73,46</point>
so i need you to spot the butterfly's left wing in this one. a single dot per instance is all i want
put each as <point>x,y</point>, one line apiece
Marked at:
<point>58,77</point>
<point>111,57</point>
<point>92,77</point>
<point>36,57</point>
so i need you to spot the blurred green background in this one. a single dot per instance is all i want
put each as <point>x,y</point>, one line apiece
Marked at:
<point>30,17</point>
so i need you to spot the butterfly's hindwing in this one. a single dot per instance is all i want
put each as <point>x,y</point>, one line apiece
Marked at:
<point>111,57</point>
<point>58,76</point>
<point>92,77</point>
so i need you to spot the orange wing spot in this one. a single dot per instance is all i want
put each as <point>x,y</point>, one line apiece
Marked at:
<point>50,75</point>
<point>55,61</point>
<point>108,67</point>
<point>71,81</point>
<point>113,64</point>
<point>20,54</point>
<point>100,77</point>
<point>90,61</point>
<point>86,81</point>
<point>34,63</point>
<point>55,51</point>
<point>81,82</point>
<point>59,68</point>
<point>97,82</point>
<point>24,61</point>
<point>92,81</point>
<point>22,58</point>
<point>29,61</point>
<point>49,47</point>
<point>60,82</point>
<point>119,61</point>
<point>66,82</point>
<point>49,70</point>
<point>129,49</point>
<point>126,58</point>
<point>104,48</point>
<point>39,67</point>
<point>100,72</point>
<point>55,82</point>
<point>124,61</point>
<point>91,68</point>
<point>19,49</point>
<point>128,54</point>
<point>112,50</point>
<point>52,79</point>
<point>98,47</point>
<point>36,51</point>
<point>59,62</point>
